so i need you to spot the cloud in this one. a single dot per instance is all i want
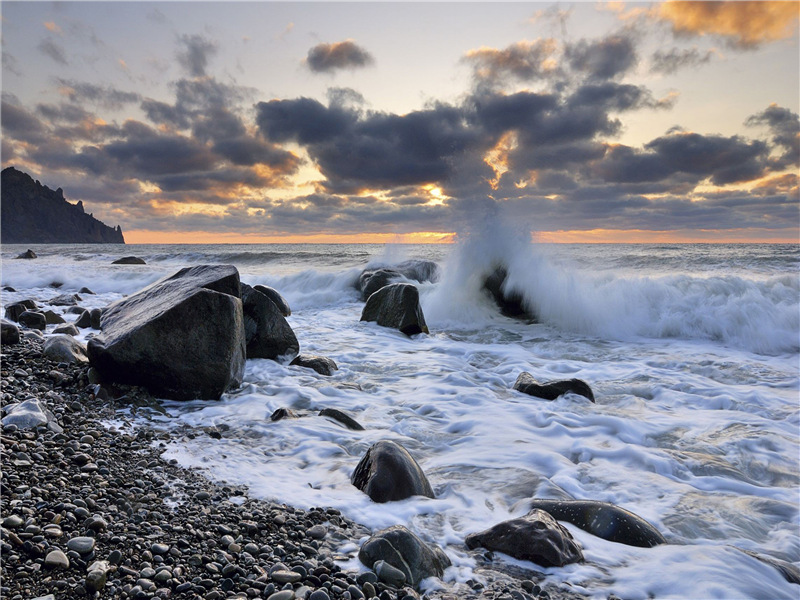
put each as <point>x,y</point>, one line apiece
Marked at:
<point>785,128</point>
<point>69,113</point>
<point>20,124</point>
<point>194,53</point>
<point>326,58</point>
<point>743,24</point>
<point>162,113</point>
<point>606,58</point>
<point>524,61</point>
<point>10,64</point>
<point>52,27</point>
<point>671,61</point>
<point>55,51</point>
<point>81,92</point>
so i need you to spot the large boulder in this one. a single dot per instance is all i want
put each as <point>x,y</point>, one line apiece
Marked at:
<point>371,280</point>
<point>10,333</point>
<point>181,337</point>
<point>276,297</point>
<point>33,320</point>
<point>387,472</point>
<point>511,302</point>
<point>64,348</point>
<point>526,384</point>
<point>536,537</point>
<point>15,309</point>
<point>396,306</point>
<point>405,551</point>
<point>267,333</point>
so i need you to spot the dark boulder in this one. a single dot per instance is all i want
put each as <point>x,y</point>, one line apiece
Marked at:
<point>321,364</point>
<point>511,302</point>
<point>33,320</point>
<point>85,320</point>
<point>419,270</point>
<point>276,297</point>
<point>95,316</point>
<point>64,348</point>
<point>181,337</point>
<point>267,333</point>
<point>396,306</point>
<point>75,310</point>
<point>85,290</point>
<point>10,333</point>
<point>65,300</point>
<point>387,472</point>
<point>535,537</point>
<point>8,288</point>
<point>526,384</point>
<point>404,551</point>
<point>14,310</point>
<point>344,419</point>
<point>28,254</point>
<point>370,281</point>
<point>129,260</point>
<point>67,328</point>
<point>53,318</point>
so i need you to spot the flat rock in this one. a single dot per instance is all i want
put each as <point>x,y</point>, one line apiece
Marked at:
<point>129,260</point>
<point>65,300</point>
<point>81,544</point>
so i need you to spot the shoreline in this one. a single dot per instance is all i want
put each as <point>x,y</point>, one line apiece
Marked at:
<point>153,529</point>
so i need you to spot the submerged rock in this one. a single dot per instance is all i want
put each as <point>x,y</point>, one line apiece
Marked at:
<point>28,254</point>
<point>535,537</point>
<point>526,384</point>
<point>129,260</point>
<point>321,364</point>
<point>181,337</point>
<point>406,553</point>
<point>510,302</point>
<point>396,306</point>
<point>371,280</point>
<point>267,333</point>
<point>387,472</point>
<point>274,295</point>
<point>344,419</point>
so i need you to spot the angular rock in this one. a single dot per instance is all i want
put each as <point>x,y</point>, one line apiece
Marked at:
<point>67,329</point>
<point>28,254</point>
<point>95,315</point>
<point>10,333</point>
<point>370,282</point>
<point>66,349</point>
<point>321,364</point>
<point>282,413</point>
<point>129,260</point>
<point>33,320</point>
<point>267,333</point>
<point>536,537</point>
<point>181,337</point>
<point>388,472</point>
<point>398,547</point>
<point>510,302</point>
<point>85,320</point>
<point>31,414</point>
<point>65,300</point>
<point>275,296</point>
<point>526,384</point>
<point>396,306</point>
<point>53,318</point>
<point>344,419</point>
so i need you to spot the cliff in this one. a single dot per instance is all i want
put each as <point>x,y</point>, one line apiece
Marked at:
<point>31,213</point>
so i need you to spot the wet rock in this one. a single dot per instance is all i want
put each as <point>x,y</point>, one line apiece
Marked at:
<point>129,260</point>
<point>94,317</point>
<point>28,254</point>
<point>53,318</point>
<point>33,320</point>
<point>274,295</point>
<point>267,333</point>
<point>526,384</point>
<point>387,472</point>
<point>85,320</point>
<point>510,302</point>
<point>64,348</point>
<point>65,300</point>
<point>790,572</point>
<point>66,329</point>
<point>10,333</point>
<point>31,414</point>
<point>85,290</point>
<point>321,364</point>
<point>397,306</point>
<point>344,419</point>
<point>370,282</point>
<point>181,337</point>
<point>405,552</point>
<point>282,413</point>
<point>536,537</point>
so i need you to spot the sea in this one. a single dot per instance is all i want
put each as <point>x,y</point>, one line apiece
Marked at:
<point>691,351</point>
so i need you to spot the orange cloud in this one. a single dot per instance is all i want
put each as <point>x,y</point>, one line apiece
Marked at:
<point>747,23</point>
<point>50,26</point>
<point>142,236</point>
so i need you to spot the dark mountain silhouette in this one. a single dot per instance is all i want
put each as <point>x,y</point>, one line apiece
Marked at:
<point>32,213</point>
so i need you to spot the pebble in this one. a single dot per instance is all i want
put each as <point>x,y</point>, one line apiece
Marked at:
<point>81,544</point>
<point>56,559</point>
<point>282,576</point>
<point>282,595</point>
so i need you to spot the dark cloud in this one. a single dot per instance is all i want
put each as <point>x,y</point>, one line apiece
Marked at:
<point>20,124</point>
<point>326,58</point>
<point>785,128</point>
<point>55,51</point>
<point>671,61</point>
<point>82,92</point>
<point>345,97</point>
<point>194,53</point>
<point>67,113</point>
<point>523,61</point>
<point>162,113</point>
<point>10,63</point>
<point>607,58</point>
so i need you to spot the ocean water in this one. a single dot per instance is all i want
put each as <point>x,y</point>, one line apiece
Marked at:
<point>691,350</point>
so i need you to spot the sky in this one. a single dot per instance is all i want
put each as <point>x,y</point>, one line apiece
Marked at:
<point>412,121</point>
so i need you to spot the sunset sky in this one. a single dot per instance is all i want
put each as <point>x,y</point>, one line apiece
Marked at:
<point>375,121</point>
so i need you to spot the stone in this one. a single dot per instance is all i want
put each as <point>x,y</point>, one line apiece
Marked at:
<point>274,295</point>
<point>129,260</point>
<point>67,329</point>
<point>536,537</point>
<point>15,309</point>
<point>33,320</point>
<point>10,333</point>
<point>397,306</point>
<point>94,317</point>
<point>56,559</point>
<point>321,364</point>
<point>282,413</point>
<point>65,300</point>
<point>510,302</point>
<point>387,472</point>
<point>84,321</point>
<point>267,332</point>
<point>388,574</point>
<point>371,280</point>
<point>65,348</point>
<point>282,595</point>
<point>28,254</point>
<point>399,548</point>
<point>316,532</point>
<point>181,337</point>
<point>53,318</point>
<point>31,414</point>
<point>81,544</point>
<point>526,384</point>
<point>85,290</point>
<point>344,419</point>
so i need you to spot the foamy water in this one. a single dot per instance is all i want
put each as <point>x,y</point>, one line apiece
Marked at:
<point>692,353</point>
